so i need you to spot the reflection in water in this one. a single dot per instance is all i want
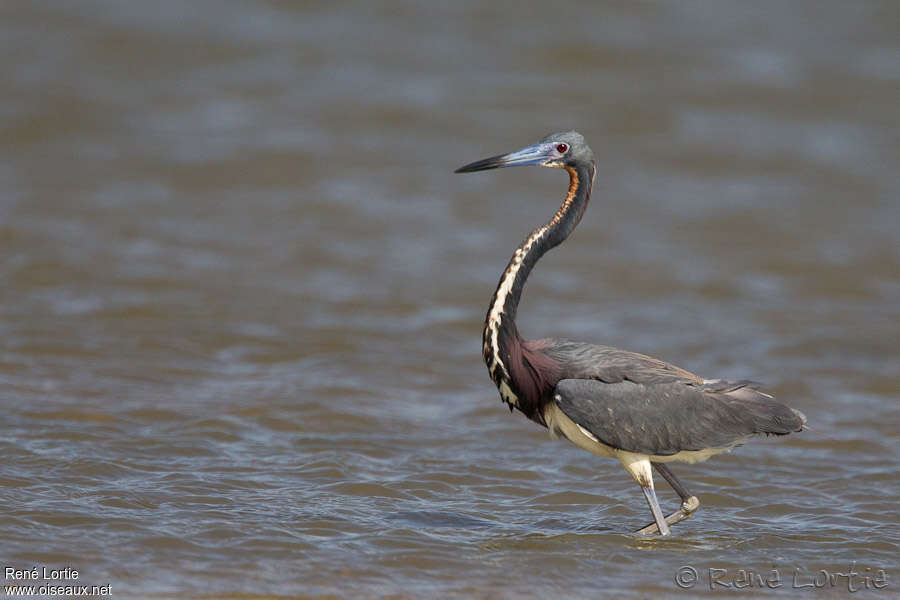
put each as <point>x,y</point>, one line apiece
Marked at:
<point>242,290</point>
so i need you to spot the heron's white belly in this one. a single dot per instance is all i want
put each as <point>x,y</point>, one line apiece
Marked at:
<point>691,456</point>
<point>560,425</point>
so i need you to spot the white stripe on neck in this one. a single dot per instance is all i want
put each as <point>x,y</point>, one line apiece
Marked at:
<point>495,315</point>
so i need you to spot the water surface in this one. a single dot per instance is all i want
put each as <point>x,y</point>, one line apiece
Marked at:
<point>242,290</point>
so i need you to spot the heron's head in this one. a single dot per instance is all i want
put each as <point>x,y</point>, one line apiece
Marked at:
<point>558,150</point>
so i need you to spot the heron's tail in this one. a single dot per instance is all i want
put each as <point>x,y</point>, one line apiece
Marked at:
<point>768,415</point>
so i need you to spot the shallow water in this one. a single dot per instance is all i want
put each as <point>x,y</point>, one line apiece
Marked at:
<point>242,291</point>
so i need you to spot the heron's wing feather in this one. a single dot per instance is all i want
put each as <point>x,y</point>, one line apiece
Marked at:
<point>667,418</point>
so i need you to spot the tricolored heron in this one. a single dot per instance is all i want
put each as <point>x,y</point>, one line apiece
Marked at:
<point>611,402</point>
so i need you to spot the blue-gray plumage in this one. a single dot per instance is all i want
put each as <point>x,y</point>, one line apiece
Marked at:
<point>663,419</point>
<point>611,402</point>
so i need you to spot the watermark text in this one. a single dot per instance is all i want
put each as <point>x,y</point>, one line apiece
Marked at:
<point>853,579</point>
<point>44,582</point>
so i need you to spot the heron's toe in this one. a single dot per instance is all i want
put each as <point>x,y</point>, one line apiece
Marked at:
<point>691,504</point>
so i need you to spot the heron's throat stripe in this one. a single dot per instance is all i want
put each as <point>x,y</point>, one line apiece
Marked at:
<point>574,182</point>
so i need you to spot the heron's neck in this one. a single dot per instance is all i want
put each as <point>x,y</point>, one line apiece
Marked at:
<point>500,328</point>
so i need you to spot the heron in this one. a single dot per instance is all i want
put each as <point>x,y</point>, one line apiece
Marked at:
<point>640,410</point>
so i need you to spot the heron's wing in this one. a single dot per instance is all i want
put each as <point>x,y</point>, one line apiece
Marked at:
<point>667,418</point>
<point>612,365</point>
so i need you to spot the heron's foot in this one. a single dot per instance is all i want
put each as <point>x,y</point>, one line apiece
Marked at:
<point>688,507</point>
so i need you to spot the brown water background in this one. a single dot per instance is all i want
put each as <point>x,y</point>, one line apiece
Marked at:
<point>241,290</point>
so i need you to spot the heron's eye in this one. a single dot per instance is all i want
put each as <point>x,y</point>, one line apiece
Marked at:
<point>562,148</point>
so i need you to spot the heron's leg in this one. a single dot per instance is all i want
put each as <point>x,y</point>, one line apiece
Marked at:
<point>660,524</point>
<point>676,484</point>
<point>689,502</point>
<point>638,466</point>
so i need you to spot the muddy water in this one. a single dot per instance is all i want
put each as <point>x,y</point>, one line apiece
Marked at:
<point>241,291</point>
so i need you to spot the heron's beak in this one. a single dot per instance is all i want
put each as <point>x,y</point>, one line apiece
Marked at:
<point>532,155</point>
